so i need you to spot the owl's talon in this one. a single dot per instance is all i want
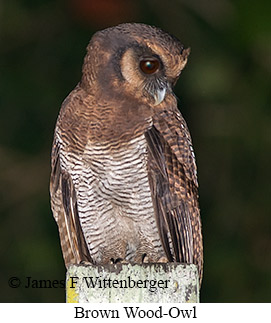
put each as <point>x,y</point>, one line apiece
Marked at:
<point>145,259</point>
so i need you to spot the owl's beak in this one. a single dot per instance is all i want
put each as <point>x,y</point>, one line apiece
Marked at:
<point>159,96</point>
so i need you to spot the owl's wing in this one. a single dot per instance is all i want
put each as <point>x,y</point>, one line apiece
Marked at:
<point>64,206</point>
<point>173,182</point>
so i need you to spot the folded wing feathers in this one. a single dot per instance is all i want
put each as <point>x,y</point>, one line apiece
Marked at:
<point>172,174</point>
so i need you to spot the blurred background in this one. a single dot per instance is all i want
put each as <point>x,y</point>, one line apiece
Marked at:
<point>224,96</point>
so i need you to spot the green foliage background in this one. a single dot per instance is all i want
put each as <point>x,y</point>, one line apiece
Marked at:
<point>224,95</point>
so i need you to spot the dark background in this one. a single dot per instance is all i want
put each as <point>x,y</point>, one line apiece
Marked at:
<point>224,95</point>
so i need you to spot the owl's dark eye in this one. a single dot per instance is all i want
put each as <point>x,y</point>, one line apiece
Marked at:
<point>149,65</point>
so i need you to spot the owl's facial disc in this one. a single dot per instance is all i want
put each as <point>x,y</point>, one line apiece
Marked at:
<point>145,74</point>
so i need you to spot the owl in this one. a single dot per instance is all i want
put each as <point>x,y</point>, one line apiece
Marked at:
<point>124,180</point>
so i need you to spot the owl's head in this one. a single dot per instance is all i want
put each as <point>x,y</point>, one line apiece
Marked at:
<point>135,60</point>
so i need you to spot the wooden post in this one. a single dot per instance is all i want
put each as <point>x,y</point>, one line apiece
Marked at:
<point>127,283</point>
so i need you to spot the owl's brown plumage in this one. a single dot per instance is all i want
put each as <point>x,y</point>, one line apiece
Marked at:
<point>124,181</point>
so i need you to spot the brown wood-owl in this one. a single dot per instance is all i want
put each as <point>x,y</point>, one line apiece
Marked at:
<point>124,180</point>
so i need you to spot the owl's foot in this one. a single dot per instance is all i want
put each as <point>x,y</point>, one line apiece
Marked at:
<point>163,260</point>
<point>118,261</point>
<point>85,263</point>
<point>146,259</point>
